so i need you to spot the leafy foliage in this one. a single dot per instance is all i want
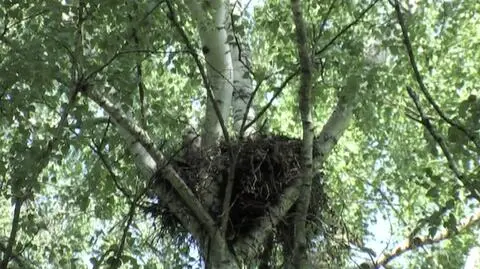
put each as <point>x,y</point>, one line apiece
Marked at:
<point>78,197</point>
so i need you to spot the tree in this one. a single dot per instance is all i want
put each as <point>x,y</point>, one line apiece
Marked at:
<point>137,133</point>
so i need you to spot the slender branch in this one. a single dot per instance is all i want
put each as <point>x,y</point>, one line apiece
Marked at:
<point>412,115</point>
<point>238,44</point>
<point>131,214</point>
<point>17,257</point>
<point>107,63</point>
<point>325,18</point>
<point>421,84</point>
<point>316,36</point>
<point>7,255</point>
<point>431,129</point>
<point>278,91</point>
<point>421,241</point>
<point>97,150</point>
<point>347,27</point>
<point>249,104</point>
<point>188,198</point>
<point>28,17</point>
<point>5,27</point>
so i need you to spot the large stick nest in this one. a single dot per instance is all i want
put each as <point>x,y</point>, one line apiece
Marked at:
<point>264,167</point>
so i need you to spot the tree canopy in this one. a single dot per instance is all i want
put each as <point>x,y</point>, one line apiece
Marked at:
<point>106,108</point>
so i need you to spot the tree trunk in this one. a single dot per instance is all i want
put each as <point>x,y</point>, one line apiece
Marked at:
<point>193,210</point>
<point>300,259</point>
<point>243,111</point>
<point>218,255</point>
<point>211,20</point>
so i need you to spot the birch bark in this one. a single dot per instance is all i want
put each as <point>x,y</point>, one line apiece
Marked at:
<point>211,18</point>
<point>242,70</point>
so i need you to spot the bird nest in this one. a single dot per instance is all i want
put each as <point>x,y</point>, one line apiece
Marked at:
<point>264,168</point>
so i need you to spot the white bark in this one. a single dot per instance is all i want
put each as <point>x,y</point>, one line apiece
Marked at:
<point>243,88</point>
<point>149,159</point>
<point>242,79</point>
<point>337,123</point>
<point>211,20</point>
<point>421,241</point>
<point>148,167</point>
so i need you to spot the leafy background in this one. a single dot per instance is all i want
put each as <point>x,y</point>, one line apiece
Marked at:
<point>385,173</point>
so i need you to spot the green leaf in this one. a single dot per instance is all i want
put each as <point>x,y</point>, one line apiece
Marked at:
<point>433,192</point>
<point>432,231</point>
<point>456,136</point>
<point>84,202</point>
<point>450,204</point>
<point>451,223</point>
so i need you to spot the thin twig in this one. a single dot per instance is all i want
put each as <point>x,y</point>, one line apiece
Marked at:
<point>95,148</point>
<point>316,37</point>
<point>249,104</point>
<point>347,27</point>
<point>275,95</point>
<point>131,215</point>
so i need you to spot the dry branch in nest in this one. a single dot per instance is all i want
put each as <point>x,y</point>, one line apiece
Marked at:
<point>265,166</point>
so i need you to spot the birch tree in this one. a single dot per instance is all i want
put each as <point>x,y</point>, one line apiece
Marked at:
<point>129,127</point>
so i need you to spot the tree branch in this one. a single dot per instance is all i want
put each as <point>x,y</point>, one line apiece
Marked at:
<point>305,107</point>
<point>248,245</point>
<point>336,125</point>
<point>421,84</point>
<point>131,215</point>
<point>421,241</point>
<point>278,91</point>
<point>346,28</point>
<point>168,172</point>
<point>7,255</point>
<point>173,18</point>
<point>451,162</point>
